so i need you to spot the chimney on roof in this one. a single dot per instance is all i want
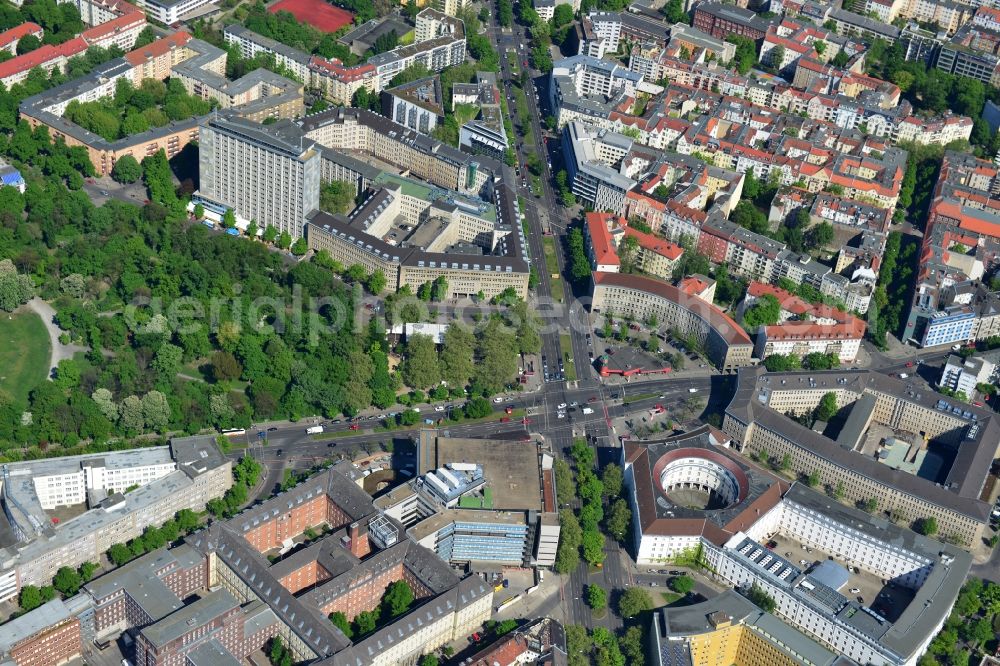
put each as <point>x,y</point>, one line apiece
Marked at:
<point>358,535</point>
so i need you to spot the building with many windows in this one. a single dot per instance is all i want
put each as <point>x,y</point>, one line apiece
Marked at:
<point>418,105</point>
<point>199,66</point>
<point>263,173</point>
<point>688,488</point>
<point>954,442</point>
<point>722,20</point>
<point>593,157</point>
<point>695,498</point>
<point>725,342</point>
<point>47,636</point>
<point>729,629</point>
<point>160,482</point>
<point>465,505</point>
<point>347,569</point>
<point>965,374</point>
<point>804,328</point>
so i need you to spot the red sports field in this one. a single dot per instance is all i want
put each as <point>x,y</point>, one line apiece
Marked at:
<point>316,13</point>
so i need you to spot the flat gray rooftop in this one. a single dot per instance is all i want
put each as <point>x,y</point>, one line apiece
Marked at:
<point>196,614</point>
<point>512,469</point>
<point>29,624</point>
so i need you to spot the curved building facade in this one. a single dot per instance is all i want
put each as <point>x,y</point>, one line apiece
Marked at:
<point>725,342</point>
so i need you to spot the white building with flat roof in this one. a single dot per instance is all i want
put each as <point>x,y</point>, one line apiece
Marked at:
<point>963,374</point>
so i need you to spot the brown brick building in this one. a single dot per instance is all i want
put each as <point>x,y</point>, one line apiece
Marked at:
<point>722,20</point>
<point>217,618</point>
<point>47,636</point>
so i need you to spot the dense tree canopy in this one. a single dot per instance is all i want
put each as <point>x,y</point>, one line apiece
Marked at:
<point>153,104</point>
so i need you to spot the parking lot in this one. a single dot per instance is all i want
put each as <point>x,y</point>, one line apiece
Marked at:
<point>888,600</point>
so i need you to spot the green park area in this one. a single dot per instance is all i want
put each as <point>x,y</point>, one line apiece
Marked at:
<point>475,502</point>
<point>566,346</point>
<point>552,266</point>
<point>136,110</point>
<point>24,354</point>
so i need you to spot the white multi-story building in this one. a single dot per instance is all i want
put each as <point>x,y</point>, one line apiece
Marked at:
<point>69,483</point>
<point>261,173</point>
<point>251,45</point>
<point>125,492</point>
<point>592,76</point>
<point>963,374</point>
<point>746,507</point>
<point>591,159</point>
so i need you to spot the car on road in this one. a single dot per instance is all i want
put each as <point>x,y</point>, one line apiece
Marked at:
<point>861,600</point>
<point>561,415</point>
<point>592,398</point>
<point>498,399</point>
<point>279,453</point>
<point>910,364</point>
<point>574,404</point>
<point>439,408</point>
<point>855,590</point>
<point>105,193</point>
<point>562,405</point>
<point>272,429</point>
<point>675,573</point>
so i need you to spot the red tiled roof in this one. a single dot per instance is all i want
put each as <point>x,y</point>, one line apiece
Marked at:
<point>119,24</point>
<point>157,48</point>
<point>341,72</point>
<point>848,326</point>
<point>600,239</point>
<point>42,56</point>
<point>17,33</point>
<point>965,222</point>
<point>722,323</point>
<point>504,653</point>
<point>804,330</point>
<point>660,246</point>
<point>693,285</point>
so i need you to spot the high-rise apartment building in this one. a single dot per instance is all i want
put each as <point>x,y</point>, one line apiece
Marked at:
<point>265,174</point>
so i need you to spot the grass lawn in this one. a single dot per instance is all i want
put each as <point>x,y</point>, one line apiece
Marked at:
<point>669,597</point>
<point>516,415</point>
<point>566,345</point>
<point>551,263</point>
<point>639,397</point>
<point>24,354</point>
<point>465,112</point>
<point>552,267</point>
<point>408,38</point>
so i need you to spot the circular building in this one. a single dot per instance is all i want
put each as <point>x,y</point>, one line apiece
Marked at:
<point>690,487</point>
